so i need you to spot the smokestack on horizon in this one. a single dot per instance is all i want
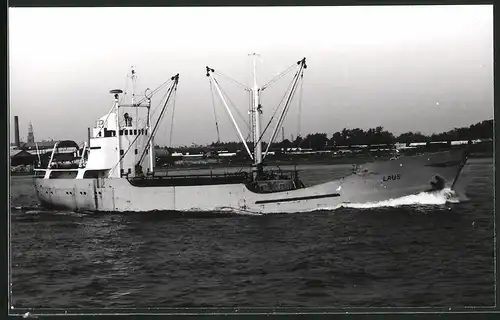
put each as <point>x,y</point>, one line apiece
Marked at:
<point>16,131</point>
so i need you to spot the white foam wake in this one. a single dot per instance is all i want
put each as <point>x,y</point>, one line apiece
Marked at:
<point>440,197</point>
<point>424,198</point>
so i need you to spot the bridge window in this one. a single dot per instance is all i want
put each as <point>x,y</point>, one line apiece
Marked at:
<point>135,132</point>
<point>142,131</point>
<point>121,132</point>
<point>136,151</point>
<point>109,133</point>
<point>94,174</point>
<point>146,132</point>
<point>129,171</point>
<point>40,174</point>
<point>63,174</point>
<point>126,132</point>
<point>121,152</point>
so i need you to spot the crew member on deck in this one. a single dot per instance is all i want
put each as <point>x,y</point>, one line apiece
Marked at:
<point>128,120</point>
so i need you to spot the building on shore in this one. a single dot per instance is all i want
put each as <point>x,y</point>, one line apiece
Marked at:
<point>21,157</point>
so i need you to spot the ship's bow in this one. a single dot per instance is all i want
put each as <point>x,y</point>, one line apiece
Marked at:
<point>407,175</point>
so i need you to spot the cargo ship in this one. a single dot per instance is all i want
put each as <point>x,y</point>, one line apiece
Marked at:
<point>114,171</point>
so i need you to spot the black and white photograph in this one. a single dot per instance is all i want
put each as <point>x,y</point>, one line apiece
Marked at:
<point>251,157</point>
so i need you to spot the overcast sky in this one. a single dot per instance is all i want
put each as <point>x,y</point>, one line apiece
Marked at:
<point>406,68</point>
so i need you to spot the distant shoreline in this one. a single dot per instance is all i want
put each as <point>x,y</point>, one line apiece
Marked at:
<point>302,161</point>
<point>19,174</point>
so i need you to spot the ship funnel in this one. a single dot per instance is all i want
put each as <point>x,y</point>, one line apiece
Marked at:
<point>16,131</point>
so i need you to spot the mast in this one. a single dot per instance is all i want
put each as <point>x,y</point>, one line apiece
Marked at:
<point>116,92</point>
<point>133,76</point>
<point>151,150</point>
<point>257,112</point>
<point>151,141</point>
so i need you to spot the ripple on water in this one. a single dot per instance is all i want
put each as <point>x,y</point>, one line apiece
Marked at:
<point>422,250</point>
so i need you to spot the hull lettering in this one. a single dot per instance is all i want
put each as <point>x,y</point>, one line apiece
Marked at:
<point>391,177</point>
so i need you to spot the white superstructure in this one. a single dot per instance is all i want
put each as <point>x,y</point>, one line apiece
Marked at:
<point>120,143</point>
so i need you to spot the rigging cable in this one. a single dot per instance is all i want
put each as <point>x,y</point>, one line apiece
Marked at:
<point>155,91</point>
<point>300,104</point>
<point>160,102</point>
<point>234,124</point>
<point>165,96</point>
<point>151,95</point>
<point>267,85</point>
<point>250,118</point>
<point>285,110</point>
<point>215,113</point>
<point>287,105</point>
<point>290,87</point>
<point>233,105</point>
<point>155,128</point>
<point>231,79</point>
<point>173,112</point>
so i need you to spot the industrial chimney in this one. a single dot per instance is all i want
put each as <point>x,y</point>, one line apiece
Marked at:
<point>16,131</point>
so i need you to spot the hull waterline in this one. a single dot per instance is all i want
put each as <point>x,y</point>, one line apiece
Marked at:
<point>377,181</point>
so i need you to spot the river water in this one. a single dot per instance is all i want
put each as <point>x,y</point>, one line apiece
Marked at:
<point>422,250</point>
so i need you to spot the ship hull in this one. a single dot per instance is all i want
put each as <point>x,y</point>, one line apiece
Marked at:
<point>377,181</point>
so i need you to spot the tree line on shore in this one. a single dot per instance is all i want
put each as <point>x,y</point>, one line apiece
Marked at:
<point>357,136</point>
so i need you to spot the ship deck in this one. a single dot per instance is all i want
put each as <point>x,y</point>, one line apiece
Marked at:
<point>189,180</point>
